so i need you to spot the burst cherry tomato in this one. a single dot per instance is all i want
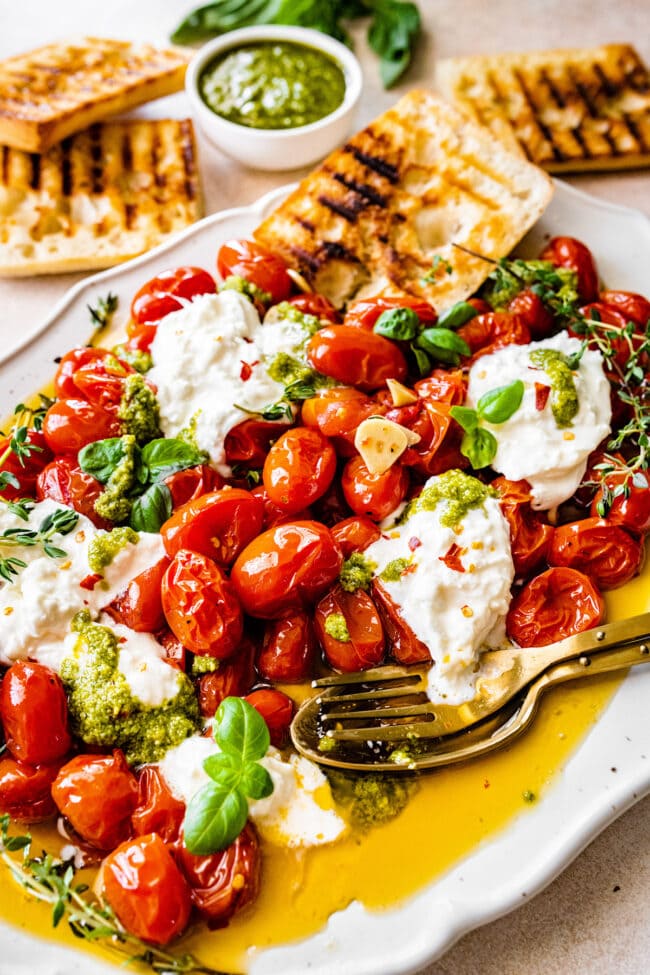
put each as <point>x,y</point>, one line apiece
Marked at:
<point>158,810</point>
<point>139,605</point>
<point>277,709</point>
<point>404,645</point>
<point>146,889</point>
<point>160,296</point>
<point>365,646</point>
<point>27,472</point>
<point>530,537</point>
<point>364,313</point>
<point>64,384</point>
<point>234,677</point>
<point>355,534</point>
<point>191,483</point>
<point>249,260</point>
<point>355,357</point>
<point>286,568</point>
<point>34,713</point>
<point>101,381</point>
<point>374,495</point>
<point>634,307</point>
<point>223,883</point>
<point>317,305</point>
<point>558,603</point>
<point>288,650</point>
<point>141,337</point>
<point>70,424</point>
<point>631,511</point>
<point>248,443</point>
<point>438,448</point>
<point>443,386</point>
<point>534,313</point>
<point>572,254</point>
<point>273,515</point>
<point>201,606</point>
<point>337,413</point>
<point>218,525</point>
<point>299,468</point>
<point>606,553</point>
<point>606,316</point>
<point>487,333</point>
<point>25,790</point>
<point>63,480</point>
<point>97,794</point>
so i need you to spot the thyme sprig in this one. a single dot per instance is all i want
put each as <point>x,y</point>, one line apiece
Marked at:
<point>101,314</point>
<point>59,522</point>
<point>52,880</point>
<point>25,418</point>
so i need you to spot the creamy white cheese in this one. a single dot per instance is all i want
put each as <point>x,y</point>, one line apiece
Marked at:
<point>141,661</point>
<point>210,358</point>
<point>531,446</point>
<point>456,614</point>
<point>36,607</point>
<point>299,812</point>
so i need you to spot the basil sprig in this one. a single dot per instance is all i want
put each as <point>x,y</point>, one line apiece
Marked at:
<point>437,343</point>
<point>496,406</point>
<point>217,813</point>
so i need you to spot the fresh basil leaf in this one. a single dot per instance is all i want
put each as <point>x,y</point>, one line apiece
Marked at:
<point>479,447</point>
<point>224,769</point>
<point>101,457</point>
<point>392,34</point>
<point>214,818</point>
<point>443,344</point>
<point>221,16</point>
<point>164,456</point>
<point>256,782</point>
<point>459,314</point>
<point>241,730</point>
<point>422,361</point>
<point>152,509</point>
<point>399,324</point>
<point>498,405</point>
<point>466,417</point>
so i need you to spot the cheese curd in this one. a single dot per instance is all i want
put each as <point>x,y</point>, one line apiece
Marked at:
<point>456,607</point>
<point>298,813</point>
<point>210,359</point>
<point>530,445</point>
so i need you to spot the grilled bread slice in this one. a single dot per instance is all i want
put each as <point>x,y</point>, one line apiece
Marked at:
<point>565,110</point>
<point>97,198</point>
<point>382,214</point>
<point>48,94</point>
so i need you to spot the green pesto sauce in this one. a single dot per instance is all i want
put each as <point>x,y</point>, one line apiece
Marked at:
<point>136,358</point>
<point>371,799</point>
<point>287,369</point>
<point>357,572</point>
<point>289,313</point>
<point>139,410</point>
<point>272,85</point>
<point>394,570</point>
<point>114,503</point>
<point>459,491</point>
<point>103,711</point>
<point>564,395</point>
<point>337,628</point>
<point>234,282</point>
<point>500,291</point>
<point>203,664</point>
<point>105,546</point>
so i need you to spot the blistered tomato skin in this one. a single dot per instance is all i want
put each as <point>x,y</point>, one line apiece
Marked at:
<point>34,713</point>
<point>249,260</point>
<point>356,357</point>
<point>25,790</point>
<point>374,495</point>
<point>191,483</point>
<point>162,294</point>
<point>534,313</point>
<point>355,534</point>
<point>218,525</point>
<point>365,312</point>
<point>530,537</point>
<point>277,709</point>
<point>317,305</point>
<point>337,413</point>
<point>405,647</point>
<point>286,568</point>
<point>288,649</point>
<point>235,676</point>
<point>494,330</point>
<point>64,481</point>
<point>631,512</point>
<point>558,603</point>
<point>139,605</point>
<point>200,605</point>
<point>70,424</point>
<point>298,469</point>
<point>365,646</point>
<point>633,306</point>
<point>157,811</point>
<point>572,254</point>
<point>27,472</point>
<point>606,553</point>
<point>64,384</point>
<point>248,443</point>
<point>146,889</point>
<point>97,794</point>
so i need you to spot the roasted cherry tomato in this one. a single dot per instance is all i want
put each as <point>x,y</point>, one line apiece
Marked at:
<point>630,509</point>
<point>249,260</point>
<point>286,568</point>
<point>622,345</point>
<point>337,413</point>
<point>443,386</point>
<point>200,605</point>
<point>534,313</point>
<point>606,553</point>
<point>97,794</point>
<point>141,337</point>
<point>139,605</point>
<point>158,810</point>
<point>572,254</point>
<point>530,537</point>
<point>146,889</point>
<point>317,305</point>
<point>27,472</point>
<point>374,495</point>
<point>438,448</point>
<point>494,330</point>
<point>277,709</point>
<point>223,883</point>
<point>70,424</point>
<point>192,482</point>
<point>25,790</point>
<point>634,307</point>
<point>160,296</point>
<point>218,525</point>
<point>405,647</point>
<point>299,468</point>
<point>248,443</point>
<point>34,713</point>
<point>558,603</point>
<point>278,516</point>
<point>288,650</point>
<point>364,313</point>
<point>101,381</point>
<point>233,677</point>
<point>355,357</point>
<point>350,630</point>
<point>63,480</point>
<point>64,384</point>
<point>355,534</point>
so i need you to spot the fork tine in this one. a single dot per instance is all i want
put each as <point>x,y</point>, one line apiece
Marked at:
<point>387,672</point>
<point>403,711</point>
<point>390,732</point>
<point>371,695</point>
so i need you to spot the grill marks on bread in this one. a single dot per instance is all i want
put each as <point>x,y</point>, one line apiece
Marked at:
<point>374,216</point>
<point>565,110</point>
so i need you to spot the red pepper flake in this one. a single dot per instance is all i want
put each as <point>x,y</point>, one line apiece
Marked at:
<point>414,543</point>
<point>91,581</point>
<point>452,558</point>
<point>247,369</point>
<point>542,394</point>
<point>411,567</point>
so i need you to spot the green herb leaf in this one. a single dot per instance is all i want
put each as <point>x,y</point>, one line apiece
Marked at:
<point>479,447</point>
<point>459,314</point>
<point>102,313</point>
<point>399,324</point>
<point>214,818</point>
<point>499,404</point>
<point>392,34</point>
<point>466,417</point>
<point>165,456</point>
<point>422,361</point>
<point>152,509</point>
<point>256,781</point>
<point>241,730</point>
<point>101,457</point>
<point>224,769</point>
<point>443,344</point>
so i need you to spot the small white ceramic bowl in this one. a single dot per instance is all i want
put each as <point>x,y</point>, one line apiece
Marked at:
<point>276,149</point>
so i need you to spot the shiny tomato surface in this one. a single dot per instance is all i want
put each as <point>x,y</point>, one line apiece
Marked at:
<point>608,554</point>
<point>248,442</point>
<point>101,381</point>
<point>234,676</point>
<point>64,481</point>
<point>158,810</point>
<point>64,385</point>
<point>405,646</point>
<point>26,469</point>
<point>365,312</point>
<point>337,413</point>
<point>530,535</point>
<point>70,424</point>
<point>356,357</point>
<point>486,333</point>
<point>192,482</point>
<point>317,305</point>
<point>634,307</point>
<point>162,294</point>
<point>631,508</point>
<point>288,649</point>
<point>201,606</point>
<point>26,790</point>
<point>533,312</point>
<point>139,605</point>
<point>34,713</point>
<point>373,495</point>
<point>298,469</point>
<point>558,603</point>
<point>366,644</point>
<point>572,254</point>
<point>218,525</point>
<point>250,260</point>
<point>97,794</point>
<point>273,515</point>
<point>277,709</point>
<point>354,534</point>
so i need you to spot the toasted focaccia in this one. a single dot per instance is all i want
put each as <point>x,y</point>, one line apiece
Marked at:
<point>566,110</point>
<point>383,214</point>
<point>47,94</point>
<point>99,197</point>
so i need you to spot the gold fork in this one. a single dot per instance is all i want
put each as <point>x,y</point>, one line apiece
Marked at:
<point>493,732</point>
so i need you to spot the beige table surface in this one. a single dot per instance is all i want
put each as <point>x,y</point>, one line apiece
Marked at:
<point>594,919</point>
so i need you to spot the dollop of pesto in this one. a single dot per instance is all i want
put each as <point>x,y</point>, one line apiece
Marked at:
<point>356,572</point>
<point>371,799</point>
<point>508,280</point>
<point>204,664</point>
<point>104,546</point>
<point>139,410</point>
<point>272,85</point>
<point>136,358</point>
<point>234,282</point>
<point>289,313</point>
<point>337,628</point>
<point>114,502</point>
<point>104,712</point>
<point>458,491</point>
<point>564,395</point>
<point>394,570</point>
